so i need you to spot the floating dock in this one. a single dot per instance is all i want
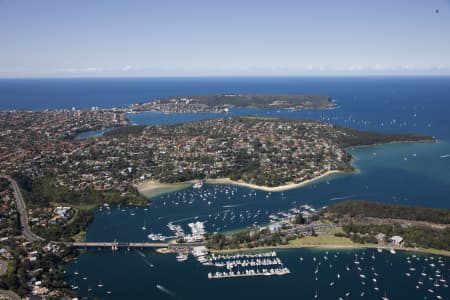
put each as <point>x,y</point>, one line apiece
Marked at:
<point>249,272</point>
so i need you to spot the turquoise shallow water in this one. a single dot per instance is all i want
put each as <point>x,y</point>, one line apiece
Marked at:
<point>429,160</point>
<point>416,173</point>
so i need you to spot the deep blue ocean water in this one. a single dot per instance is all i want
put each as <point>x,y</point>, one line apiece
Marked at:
<point>417,173</point>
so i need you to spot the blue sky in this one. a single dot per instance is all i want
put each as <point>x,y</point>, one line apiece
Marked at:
<point>72,38</point>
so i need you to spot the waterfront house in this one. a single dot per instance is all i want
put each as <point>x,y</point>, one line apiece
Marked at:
<point>396,240</point>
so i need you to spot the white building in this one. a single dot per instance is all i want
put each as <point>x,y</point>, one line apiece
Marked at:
<point>396,240</point>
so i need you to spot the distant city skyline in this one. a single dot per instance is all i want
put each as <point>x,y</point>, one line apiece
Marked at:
<point>53,38</point>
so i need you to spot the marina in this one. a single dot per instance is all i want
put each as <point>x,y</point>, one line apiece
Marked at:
<point>247,264</point>
<point>197,229</point>
<point>249,272</point>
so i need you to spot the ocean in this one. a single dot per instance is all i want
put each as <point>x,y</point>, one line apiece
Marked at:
<point>416,173</point>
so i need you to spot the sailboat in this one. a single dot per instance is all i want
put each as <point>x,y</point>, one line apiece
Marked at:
<point>385,297</point>
<point>144,227</point>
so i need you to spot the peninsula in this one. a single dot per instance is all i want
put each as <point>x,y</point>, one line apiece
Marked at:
<point>266,153</point>
<point>221,103</point>
<point>348,224</point>
<point>270,153</point>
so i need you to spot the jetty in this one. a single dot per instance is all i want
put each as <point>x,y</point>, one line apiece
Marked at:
<point>250,272</point>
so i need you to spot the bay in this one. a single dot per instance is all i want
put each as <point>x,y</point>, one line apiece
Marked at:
<point>416,173</point>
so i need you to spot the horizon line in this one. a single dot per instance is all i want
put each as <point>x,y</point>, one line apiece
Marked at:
<point>229,76</point>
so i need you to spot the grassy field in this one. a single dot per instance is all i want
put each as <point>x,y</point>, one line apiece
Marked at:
<point>322,240</point>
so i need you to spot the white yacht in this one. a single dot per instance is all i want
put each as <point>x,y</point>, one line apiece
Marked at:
<point>182,257</point>
<point>198,185</point>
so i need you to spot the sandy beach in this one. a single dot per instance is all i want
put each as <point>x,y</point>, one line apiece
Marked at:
<point>153,188</point>
<point>275,188</point>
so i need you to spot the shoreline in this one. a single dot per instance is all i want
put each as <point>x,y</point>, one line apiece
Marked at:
<point>423,141</point>
<point>337,247</point>
<point>280,188</point>
<point>154,188</point>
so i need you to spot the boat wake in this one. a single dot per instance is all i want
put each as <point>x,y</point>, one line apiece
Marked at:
<point>185,219</point>
<point>234,205</point>
<point>140,253</point>
<point>148,263</point>
<point>342,198</point>
<point>167,291</point>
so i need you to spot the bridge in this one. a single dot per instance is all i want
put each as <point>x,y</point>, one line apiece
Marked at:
<point>116,245</point>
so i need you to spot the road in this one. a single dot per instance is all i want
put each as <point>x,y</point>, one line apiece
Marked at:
<point>22,210</point>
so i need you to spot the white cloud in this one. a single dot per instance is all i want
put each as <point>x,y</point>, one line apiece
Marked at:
<point>246,70</point>
<point>127,68</point>
<point>84,70</point>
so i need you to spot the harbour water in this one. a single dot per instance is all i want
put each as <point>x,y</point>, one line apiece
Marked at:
<point>397,173</point>
<point>127,276</point>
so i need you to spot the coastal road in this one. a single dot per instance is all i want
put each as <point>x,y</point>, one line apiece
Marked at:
<point>22,211</point>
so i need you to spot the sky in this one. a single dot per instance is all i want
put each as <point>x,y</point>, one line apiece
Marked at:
<point>132,38</point>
